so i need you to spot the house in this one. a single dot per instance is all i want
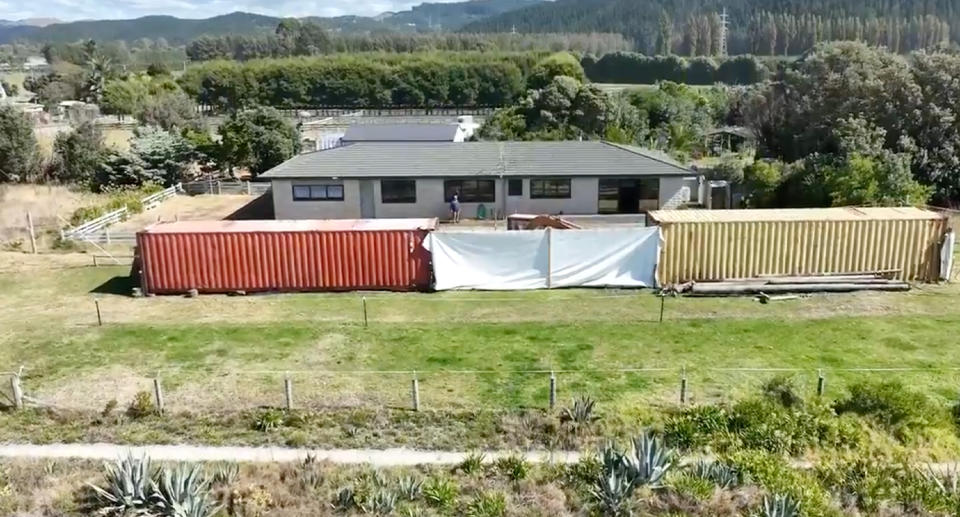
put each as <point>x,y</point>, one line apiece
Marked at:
<point>418,179</point>
<point>404,133</point>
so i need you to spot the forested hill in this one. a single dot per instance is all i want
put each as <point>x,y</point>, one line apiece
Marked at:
<point>756,26</point>
<point>427,16</point>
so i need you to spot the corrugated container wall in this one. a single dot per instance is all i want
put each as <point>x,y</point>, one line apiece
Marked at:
<point>727,249</point>
<point>250,260</point>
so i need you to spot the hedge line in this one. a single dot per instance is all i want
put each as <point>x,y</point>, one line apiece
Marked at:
<point>634,68</point>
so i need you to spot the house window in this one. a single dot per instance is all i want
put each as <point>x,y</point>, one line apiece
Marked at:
<point>398,191</point>
<point>514,187</point>
<point>470,191</point>
<point>628,195</point>
<point>550,189</point>
<point>318,192</point>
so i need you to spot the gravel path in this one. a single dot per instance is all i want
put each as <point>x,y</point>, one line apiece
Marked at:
<point>375,457</point>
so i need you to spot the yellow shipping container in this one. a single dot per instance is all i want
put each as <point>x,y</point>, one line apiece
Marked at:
<point>705,245</point>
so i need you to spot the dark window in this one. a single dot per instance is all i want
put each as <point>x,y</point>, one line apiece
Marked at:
<point>398,191</point>
<point>469,191</point>
<point>318,192</point>
<point>550,189</point>
<point>514,187</point>
<point>628,195</point>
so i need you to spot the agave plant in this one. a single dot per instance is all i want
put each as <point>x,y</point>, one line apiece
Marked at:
<point>720,474</point>
<point>346,500</point>
<point>650,462</point>
<point>612,491</point>
<point>182,492</point>
<point>473,463</point>
<point>410,488</point>
<point>126,487</point>
<point>225,474</point>
<point>383,502</point>
<point>780,506</point>
<point>580,413</point>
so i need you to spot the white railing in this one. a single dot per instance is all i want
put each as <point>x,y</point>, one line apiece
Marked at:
<point>77,232</point>
<point>155,199</point>
<point>93,230</point>
<point>105,236</point>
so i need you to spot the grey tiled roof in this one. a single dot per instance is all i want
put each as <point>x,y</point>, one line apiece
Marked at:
<point>401,133</point>
<point>433,159</point>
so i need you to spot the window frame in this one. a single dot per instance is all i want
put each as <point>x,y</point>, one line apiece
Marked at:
<point>318,187</point>
<point>463,198</point>
<point>399,201</point>
<point>544,194</point>
<point>511,182</point>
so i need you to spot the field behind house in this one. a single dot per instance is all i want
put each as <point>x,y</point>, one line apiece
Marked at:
<point>468,349</point>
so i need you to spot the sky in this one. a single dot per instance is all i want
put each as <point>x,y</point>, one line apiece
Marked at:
<point>69,10</point>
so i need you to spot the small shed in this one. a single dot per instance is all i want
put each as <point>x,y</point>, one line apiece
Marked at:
<point>702,245</point>
<point>302,255</point>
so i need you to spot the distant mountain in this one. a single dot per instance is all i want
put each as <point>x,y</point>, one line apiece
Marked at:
<point>31,22</point>
<point>427,16</point>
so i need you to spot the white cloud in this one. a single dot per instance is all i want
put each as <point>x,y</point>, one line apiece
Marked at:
<point>118,9</point>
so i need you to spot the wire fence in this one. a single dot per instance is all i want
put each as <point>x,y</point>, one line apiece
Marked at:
<point>214,391</point>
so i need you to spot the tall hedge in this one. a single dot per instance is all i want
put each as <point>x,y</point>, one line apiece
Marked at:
<point>361,81</point>
<point>634,68</point>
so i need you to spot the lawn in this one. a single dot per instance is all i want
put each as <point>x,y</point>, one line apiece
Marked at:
<point>469,350</point>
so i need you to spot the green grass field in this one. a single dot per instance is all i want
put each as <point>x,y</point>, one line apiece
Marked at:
<point>469,349</point>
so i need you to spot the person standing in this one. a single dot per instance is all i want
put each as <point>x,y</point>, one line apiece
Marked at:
<point>455,208</point>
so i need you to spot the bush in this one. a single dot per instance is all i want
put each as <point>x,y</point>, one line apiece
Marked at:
<point>141,405</point>
<point>487,504</point>
<point>119,198</point>
<point>897,409</point>
<point>472,464</point>
<point>695,426</point>
<point>441,492</point>
<point>269,420</point>
<point>782,390</point>
<point>773,473</point>
<point>514,468</point>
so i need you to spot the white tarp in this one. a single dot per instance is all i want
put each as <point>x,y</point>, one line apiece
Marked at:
<point>536,259</point>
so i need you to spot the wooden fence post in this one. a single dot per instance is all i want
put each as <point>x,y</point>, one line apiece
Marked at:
<point>158,394</point>
<point>821,382</point>
<point>683,385</point>
<point>33,235</point>
<point>96,303</point>
<point>288,392</point>
<point>662,298</point>
<point>415,392</point>
<point>553,391</point>
<point>363,301</point>
<point>17,391</point>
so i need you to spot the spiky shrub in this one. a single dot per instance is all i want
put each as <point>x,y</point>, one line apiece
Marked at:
<point>141,405</point>
<point>268,420</point>
<point>611,493</point>
<point>720,474</point>
<point>487,504</point>
<point>182,492</point>
<point>779,506</point>
<point>345,500</point>
<point>224,474</point>
<point>580,413</point>
<point>126,487</point>
<point>410,488</point>
<point>473,463</point>
<point>514,468</point>
<point>382,502</point>
<point>650,462</point>
<point>441,492</point>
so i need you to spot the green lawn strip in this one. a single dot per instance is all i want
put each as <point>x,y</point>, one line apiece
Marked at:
<point>490,364</point>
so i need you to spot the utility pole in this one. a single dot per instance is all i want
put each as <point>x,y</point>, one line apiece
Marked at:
<point>724,21</point>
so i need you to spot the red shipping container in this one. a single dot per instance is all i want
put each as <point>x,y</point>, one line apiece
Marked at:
<point>309,255</point>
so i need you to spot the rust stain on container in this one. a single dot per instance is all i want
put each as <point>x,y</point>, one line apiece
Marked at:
<point>705,245</point>
<point>259,256</point>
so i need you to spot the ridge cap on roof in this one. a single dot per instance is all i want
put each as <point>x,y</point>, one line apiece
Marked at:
<point>646,153</point>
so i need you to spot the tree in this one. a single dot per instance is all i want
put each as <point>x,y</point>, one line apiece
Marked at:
<point>555,65</point>
<point>171,110</point>
<point>124,97</point>
<point>19,158</point>
<point>78,154</point>
<point>10,89</point>
<point>164,155</point>
<point>258,139</point>
<point>761,179</point>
